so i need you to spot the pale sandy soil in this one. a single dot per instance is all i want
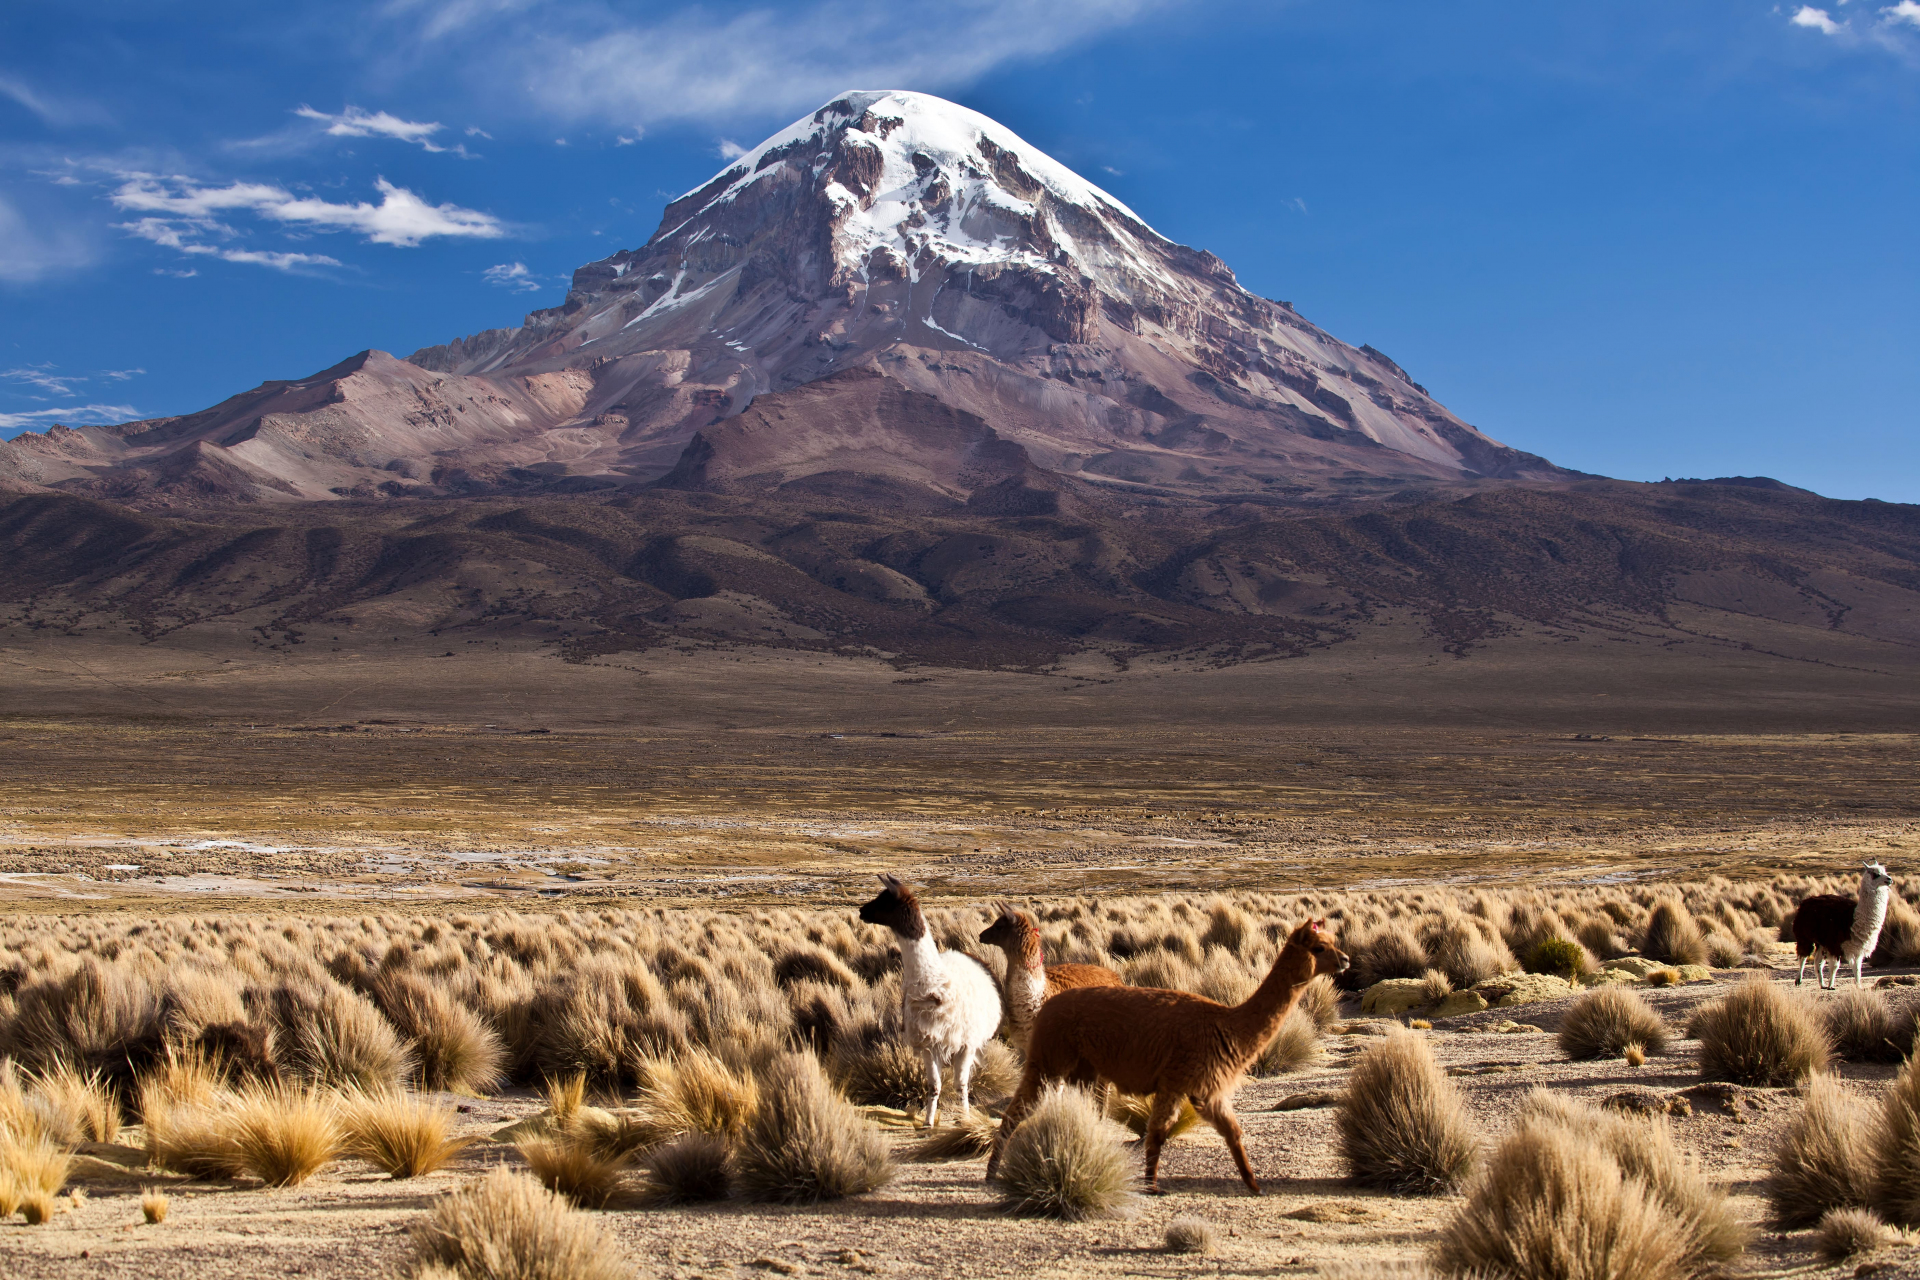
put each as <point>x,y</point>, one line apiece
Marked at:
<point>939,1220</point>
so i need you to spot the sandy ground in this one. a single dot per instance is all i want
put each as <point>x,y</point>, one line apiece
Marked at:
<point>940,1220</point>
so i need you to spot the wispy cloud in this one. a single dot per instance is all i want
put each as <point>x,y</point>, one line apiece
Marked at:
<point>1890,28</point>
<point>56,111</point>
<point>74,415</point>
<point>43,377</point>
<point>185,216</point>
<point>730,150</point>
<point>29,253</point>
<point>708,65</point>
<point>356,123</point>
<point>512,275</point>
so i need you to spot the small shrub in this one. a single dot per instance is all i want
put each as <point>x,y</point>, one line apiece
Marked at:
<point>506,1226</point>
<point>806,1143</point>
<point>1401,1124</point>
<point>1603,1022</point>
<point>401,1133</point>
<point>153,1205</point>
<point>1063,1163</point>
<point>283,1135</point>
<point>1757,1034</point>
<point>1192,1235</point>
<point>575,1166</point>
<point>1824,1160</point>
<point>1671,935</point>
<point>1863,1027</point>
<point>696,1167</point>
<point>1562,957</point>
<point>1549,1205</point>
<point>1846,1233</point>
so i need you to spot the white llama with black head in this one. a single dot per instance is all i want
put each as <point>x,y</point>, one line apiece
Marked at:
<point>1830,925</point>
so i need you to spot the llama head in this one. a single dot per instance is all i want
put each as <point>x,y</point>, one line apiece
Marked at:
<point>1008,928</point>
<point>896,908</point>
<point>1312,938</point>
<point>1874,877</point>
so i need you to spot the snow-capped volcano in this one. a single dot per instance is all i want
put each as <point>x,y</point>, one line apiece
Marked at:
<point>891,235</point>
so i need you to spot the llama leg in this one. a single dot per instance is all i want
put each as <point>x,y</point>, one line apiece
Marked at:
<point>1857,962</point>
<point>933,1087</point>
<point>1166,1105</point>
<point>966,1082</point>
<point>1805,956</point>
<point>1219,1114</point>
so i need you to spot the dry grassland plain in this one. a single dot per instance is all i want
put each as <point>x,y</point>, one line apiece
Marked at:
<point>505,829</point>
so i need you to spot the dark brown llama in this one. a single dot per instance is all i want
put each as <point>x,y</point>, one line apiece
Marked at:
<point>1171,1044</point>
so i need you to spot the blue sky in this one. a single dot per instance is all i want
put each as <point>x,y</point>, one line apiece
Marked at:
<point>1642,239</point>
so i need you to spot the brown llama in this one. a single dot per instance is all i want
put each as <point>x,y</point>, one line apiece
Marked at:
<point>1031,981</point>
<point>1170,1044</point>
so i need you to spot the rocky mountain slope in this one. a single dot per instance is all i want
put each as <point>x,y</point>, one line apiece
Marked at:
<point>876,299</point>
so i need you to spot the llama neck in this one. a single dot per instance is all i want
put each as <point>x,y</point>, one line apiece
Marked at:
<point>1257,1018</point>
<point>1868,915</point>
<point>1026,981</point>
<point>919,961</point>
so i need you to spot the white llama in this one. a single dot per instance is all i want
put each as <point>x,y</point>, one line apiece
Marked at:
<point>1845,929</point>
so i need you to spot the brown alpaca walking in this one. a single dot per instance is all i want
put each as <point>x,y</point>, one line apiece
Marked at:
<point>1170,1044</point>
<point>1031,981</point>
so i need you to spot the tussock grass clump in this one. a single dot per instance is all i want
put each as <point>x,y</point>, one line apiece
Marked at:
<point>1295,1047</point>
<point>1847,1233</point>
<point>193,1138</point>
<point>453,1047</point>
<point>1672,936</point>
<point>694,1093</point>
<point>283,1134</point>
<point>694,1168</point>
<point>36,1207</point>
<point>1644,1151</point>
<point>1550,1205</point>
<point>330,1036</point>
<point>1562,957</point>
<point>996,1072</point>
<point>77,1108</point>
<point>1863,1027</point>
<point>573,1164</point>
<point>881,1073</point>
<point>1606,1020</point>
<point>1192,1235</point>
<point>96,1016</point>
<point>1389,953</point>
<point>154,1205</point>
<point>10,1194</point>
<point>968,1140</point>
<point>37,1166</point>
<point>806,1142</point>
<point>402,1134</point>
<point>1320,1002</point>
<point>1134,1112</point>
<point>506,1226</point>
<point>1401,1124</point>
<point>1063,1163</point>
<point>1896,1150</point>
<point>1758,1034</point>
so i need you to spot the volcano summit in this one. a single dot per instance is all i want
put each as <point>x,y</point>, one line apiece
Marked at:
<point>893,297</point>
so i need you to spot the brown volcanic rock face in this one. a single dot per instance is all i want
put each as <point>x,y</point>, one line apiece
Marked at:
<point>888,231</point>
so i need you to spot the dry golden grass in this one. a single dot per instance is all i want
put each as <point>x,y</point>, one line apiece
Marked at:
<point>806,1142</point>
<point>574,1165</point>
<point>1134,1112</point>
<point>283,1134</point>
<point>1848,1233</point>
<point>153,1205</point>
<point>693,1093</point>
<point>1672,936</point>
<point>402,1134</point>
<point>1295,1047</point>
<point>1896,1150</point>
<point>506,1226</point>
<point>1759,1034</point>
<point>1401,1124</point>
<point>35,1167</point>
<point>1603,1022</point>
<point>968,1140</point>
<point>36,1207</point>
<point>75,1107</point>
<point>1549,1205</point>
<point>565,1096</point>
<point>1825,1159</point>
<point>1863,1027</point>
<point>1192,1235</point>
<point>193,1138</point>
<point>694,1168</point>
<point>10,1194</point>
<point>1063,1162</point>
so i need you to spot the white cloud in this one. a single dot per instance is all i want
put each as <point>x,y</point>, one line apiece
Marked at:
<point>1818,19</point>
<point>512,275</point>
<point>1905,11</point>
<point>730,150</point>
<point>183,214</point>
<point>356,123</point>
<point>73,415</point>
<point>121,375</point>
<point>709,65</point>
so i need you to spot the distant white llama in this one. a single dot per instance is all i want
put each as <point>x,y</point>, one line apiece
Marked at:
<point>949,1002</point>
<point>1847,929</point>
